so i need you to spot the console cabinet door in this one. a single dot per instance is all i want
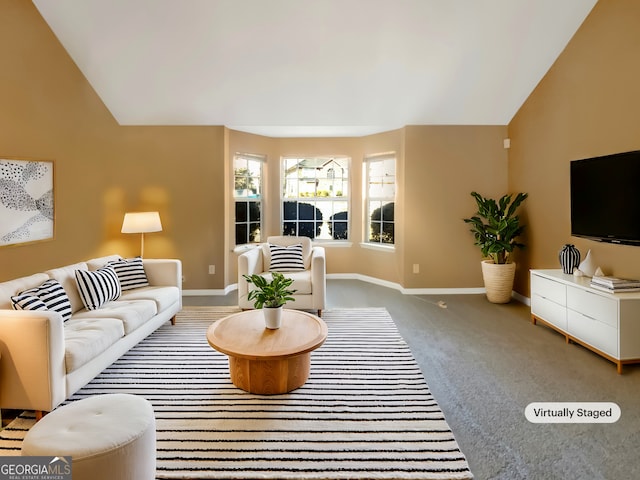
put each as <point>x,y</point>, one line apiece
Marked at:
<point>593,305</point>
<point>548,301</point>
<point>549,289</point>
<point>598,334</point>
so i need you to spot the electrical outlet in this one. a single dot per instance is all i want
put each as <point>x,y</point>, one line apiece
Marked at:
<point>416,268</point>
<point>212,269</point>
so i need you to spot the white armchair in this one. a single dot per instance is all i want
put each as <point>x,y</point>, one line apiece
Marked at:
<point>310,283</point>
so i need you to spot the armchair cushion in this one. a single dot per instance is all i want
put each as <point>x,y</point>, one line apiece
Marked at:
<point>286,259</point>
<point>301,283</point>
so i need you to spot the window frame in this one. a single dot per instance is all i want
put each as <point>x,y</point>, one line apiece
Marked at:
<point>248,199</point>
<point>382,199</point>
<point>325,230</point>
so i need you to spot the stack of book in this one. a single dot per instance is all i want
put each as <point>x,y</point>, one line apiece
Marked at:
<point>615,285</point>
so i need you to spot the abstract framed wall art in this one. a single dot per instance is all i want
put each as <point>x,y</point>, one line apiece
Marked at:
<point>27,212</point>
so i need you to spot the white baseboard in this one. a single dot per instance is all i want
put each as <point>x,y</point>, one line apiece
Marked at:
<point>521,298</point>
<point>364,278</point>
<point>406,291</point>
<point>212,292</point>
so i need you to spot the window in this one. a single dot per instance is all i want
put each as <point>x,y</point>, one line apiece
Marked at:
<point>315,197</point>
<point>380,178</point>
<point>247,171</point>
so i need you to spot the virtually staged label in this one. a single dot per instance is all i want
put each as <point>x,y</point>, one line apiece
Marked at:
<point>572,412</point>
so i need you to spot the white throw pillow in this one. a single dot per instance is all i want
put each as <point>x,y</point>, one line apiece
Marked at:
<point>48,296</point>
<point>286,259</point>
<point>98,287</point>
<point>130,273</point>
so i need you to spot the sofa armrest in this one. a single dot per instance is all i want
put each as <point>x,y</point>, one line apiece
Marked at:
<point>249,263</point>
<point>163,272</point>
<point>318,276</point>
<point>32,368</point>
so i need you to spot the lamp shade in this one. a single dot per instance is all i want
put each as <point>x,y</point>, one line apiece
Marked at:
<point>141,222</point>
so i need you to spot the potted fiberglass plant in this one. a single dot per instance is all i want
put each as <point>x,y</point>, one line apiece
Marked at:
<point>271,296</point>
<point>496,228</point>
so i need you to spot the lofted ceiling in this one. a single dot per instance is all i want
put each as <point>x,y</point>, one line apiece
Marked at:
<point>314,67</point>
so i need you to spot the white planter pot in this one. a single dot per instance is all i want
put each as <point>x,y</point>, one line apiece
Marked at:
<point>498,280</point>
<point>272,317</point>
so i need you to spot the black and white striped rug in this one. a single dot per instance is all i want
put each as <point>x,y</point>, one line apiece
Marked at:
<point>365,412</point>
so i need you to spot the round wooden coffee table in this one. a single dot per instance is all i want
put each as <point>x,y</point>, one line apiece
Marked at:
<point>268,361</point>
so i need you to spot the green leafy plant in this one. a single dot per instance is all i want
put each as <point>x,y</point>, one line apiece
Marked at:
<point>270,294</point>
<point>496,227</point>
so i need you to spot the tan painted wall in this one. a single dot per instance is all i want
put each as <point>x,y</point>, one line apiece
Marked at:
<point>103,170</point>
<point>443,165</point>
<point>587,105</point>
<point>339,259</point>
<point>437,169</point>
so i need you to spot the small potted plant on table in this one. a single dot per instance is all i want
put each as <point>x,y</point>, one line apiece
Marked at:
<point>271,296</point>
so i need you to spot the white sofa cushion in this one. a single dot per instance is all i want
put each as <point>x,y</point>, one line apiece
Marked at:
<point>131,313</point>
<point>163,296</point>
<point>99,262</point>
<point>86,338</point>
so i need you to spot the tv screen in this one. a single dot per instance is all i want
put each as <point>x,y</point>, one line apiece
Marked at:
<point>605,198</point>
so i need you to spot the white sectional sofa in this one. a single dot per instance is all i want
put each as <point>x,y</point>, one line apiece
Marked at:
<point>50,351</point>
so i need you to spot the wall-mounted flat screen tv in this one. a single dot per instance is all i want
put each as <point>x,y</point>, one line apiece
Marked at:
<point>605,198</point>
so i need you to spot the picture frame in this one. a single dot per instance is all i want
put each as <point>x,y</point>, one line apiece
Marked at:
<point>27,201</point>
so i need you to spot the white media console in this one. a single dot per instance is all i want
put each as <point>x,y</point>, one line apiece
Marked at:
<point>606,323</point>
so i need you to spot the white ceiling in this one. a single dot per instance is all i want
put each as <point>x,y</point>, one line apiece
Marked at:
<point>314,67</point>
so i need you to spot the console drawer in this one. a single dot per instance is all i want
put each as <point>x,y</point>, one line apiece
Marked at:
<point>592,305</point>
<point>554,291</point>
<point>597,334</point>
<point>549,311</point>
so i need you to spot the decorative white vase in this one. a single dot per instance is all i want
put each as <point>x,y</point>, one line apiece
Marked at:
<point>588,266</point>
<point>272,317</point>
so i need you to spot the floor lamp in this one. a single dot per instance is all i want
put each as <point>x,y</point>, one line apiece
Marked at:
<point>141,222</point>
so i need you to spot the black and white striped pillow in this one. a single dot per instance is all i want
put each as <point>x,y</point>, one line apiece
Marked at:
<point>98,287</point>
<point>48,296</point>
<point>286,259</point>
<point>130,273</point>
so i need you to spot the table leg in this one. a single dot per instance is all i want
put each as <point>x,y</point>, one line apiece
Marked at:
<point>270,377</point>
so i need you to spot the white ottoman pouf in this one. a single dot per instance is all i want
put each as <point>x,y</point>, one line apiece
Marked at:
<point>109,437</point>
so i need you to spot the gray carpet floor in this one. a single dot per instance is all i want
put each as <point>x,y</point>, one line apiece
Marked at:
<point>485,363</point>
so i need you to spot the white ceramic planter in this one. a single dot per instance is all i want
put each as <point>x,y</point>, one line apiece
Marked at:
<point>272,317</point>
